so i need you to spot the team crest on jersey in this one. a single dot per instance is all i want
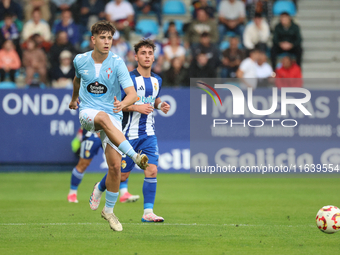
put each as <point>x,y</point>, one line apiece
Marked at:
<point>87,154</point>
<point>155,86</point>
<point>96,89</point>
<point>108,71</point>
<point>123,164</point>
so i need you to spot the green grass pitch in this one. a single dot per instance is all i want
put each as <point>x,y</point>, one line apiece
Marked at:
<point>202,216</point>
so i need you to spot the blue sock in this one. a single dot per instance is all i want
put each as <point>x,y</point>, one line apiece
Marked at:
<point>76,179</point>
<point>124,184</point>
<point>149,192</point>
<point>127,149</point>
<point>111,199</point>
<point>102,185</point>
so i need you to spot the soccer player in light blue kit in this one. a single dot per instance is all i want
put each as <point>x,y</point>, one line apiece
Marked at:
<point>99,77</point>
<point>139,125</point>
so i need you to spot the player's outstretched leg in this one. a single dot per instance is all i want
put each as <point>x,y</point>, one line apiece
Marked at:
<point>76,178</point>
<point>149,193</point>
<point>116,137</point>
<point>125,196</point>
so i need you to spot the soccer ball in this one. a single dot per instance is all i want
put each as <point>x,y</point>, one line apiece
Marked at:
<point>328,219</point>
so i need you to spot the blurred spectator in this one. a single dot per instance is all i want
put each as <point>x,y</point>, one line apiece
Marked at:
<point>9,61</point>
<point>172,30</point>
<point>286,39</point>
<point>67,24</point>
<point>263,70</point>
<point>200,68</point>
<point>265,7</point>
<point>256,34</point>
<point>41,43</point>
<point>57,6</point>
<point>231,16</point>
<point>43,5</point>
<point>61,43</point>
<point>157,65</point>
<point>145,6</point>
<point>36,26</point>
<point>177,75</point>
<point>34,61</point>
<point>62,75</point>
<point>231,59</point>
<point>287,75</point>
<point>123,49</point>
<point>91,11</point>
<point>210,49</point>
<point>197,27</point>
<point>121,13</point>
<point>206,5</point>
<point>247,70</point>
<point>12,7</point>
<point>174,49</point>
<point>10,31</point>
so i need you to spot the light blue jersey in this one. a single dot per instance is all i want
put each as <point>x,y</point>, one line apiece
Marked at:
<point>135,124</point>
<point>101,82</point>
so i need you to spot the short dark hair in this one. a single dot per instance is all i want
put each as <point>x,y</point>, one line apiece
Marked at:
<point>205,34</point>
<point>146,43</point>
<point>103,26</point>
<point>284,14</point>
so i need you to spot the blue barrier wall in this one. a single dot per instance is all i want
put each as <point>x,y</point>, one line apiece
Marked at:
<point>37,128</point>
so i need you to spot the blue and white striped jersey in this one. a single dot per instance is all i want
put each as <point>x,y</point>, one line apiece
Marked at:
<point>135,124</point>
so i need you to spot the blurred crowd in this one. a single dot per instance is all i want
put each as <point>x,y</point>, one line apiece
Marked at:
<point>224,38</point>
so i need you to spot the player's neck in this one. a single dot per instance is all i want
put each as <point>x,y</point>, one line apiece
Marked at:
<point>145,72</point>
<point>98,57</point>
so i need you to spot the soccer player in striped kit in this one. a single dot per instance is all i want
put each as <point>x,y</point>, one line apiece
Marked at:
<point>138,126</point>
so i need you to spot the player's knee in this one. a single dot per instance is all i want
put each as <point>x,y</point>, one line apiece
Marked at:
<point>102,119</point>
<point>151,171</point>
<point>82,165</point>
<point>124,176</point>
<point>114,169</point>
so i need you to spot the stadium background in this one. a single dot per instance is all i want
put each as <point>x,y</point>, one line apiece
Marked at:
<point>203,216</point>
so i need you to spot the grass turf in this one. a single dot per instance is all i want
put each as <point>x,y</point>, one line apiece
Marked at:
<point>202,216</point>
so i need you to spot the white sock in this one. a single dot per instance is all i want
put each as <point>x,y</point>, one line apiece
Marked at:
<point>97,193</point>
<point>147,211</point>
<point>72,191</point>
<point>108,210</point>
<point>134,157</point>
<point>123,191</point>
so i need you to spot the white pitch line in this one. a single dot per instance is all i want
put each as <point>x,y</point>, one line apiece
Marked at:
<point>148,224</point>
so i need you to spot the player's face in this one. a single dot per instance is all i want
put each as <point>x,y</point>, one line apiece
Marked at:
<point>145,57</point>
<point>102,42</point>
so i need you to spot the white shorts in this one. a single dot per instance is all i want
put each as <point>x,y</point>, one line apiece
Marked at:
<point>86,118</point>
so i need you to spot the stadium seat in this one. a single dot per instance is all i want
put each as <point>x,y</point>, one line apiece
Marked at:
<point>147,26</point>
<point>178,24</point>
<point>7,85</point>
<point>284,6</point>
<point>174,7</point>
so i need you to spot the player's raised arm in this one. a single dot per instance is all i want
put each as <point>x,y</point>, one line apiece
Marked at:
<point>76,86</point>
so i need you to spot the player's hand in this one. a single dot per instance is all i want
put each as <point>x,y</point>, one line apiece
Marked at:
<point>165,107</point>
<point>145,108</point>
<point>117,105</point>
<point>74,104</point>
